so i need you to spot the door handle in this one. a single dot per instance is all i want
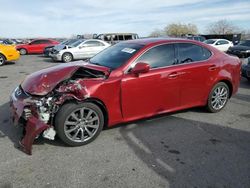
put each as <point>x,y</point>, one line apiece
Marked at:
<point>176,74</point>
<point>212,68</point>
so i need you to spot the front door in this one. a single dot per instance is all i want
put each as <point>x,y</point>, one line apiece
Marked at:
<point>153,92</point>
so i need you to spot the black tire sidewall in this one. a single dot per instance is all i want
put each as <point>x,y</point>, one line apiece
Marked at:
<point>209,102</point>
<point>65,111</point>
<point>67,53</point>
<point>4,60</point>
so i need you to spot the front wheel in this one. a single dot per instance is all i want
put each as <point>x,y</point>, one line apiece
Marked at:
<point>79,124</point>
<point>2,60</point>
<point>67,57</point>
<point>218,97</point>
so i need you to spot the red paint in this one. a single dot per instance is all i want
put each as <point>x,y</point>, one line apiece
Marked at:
<point>130,96</point>
<point>37,48</point>
<point>33,128</point>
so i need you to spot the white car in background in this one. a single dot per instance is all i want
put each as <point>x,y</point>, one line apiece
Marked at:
<point>81,49</point>
<point>220,44</point>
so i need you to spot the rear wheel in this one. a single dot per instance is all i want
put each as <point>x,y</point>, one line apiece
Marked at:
<point>2,60</point>
<point>218,97</point>
<point>79,124</point>
<point>23,51</point>
<point>67,57</point>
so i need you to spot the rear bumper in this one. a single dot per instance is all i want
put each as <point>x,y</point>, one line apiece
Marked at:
<point>32,127</point>
<point>56,57</point>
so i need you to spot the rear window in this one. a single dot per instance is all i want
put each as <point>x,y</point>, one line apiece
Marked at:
<point>209,41</point>
<point>188,52</point>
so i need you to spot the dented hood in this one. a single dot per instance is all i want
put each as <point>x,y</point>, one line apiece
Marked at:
<point>44,81</point>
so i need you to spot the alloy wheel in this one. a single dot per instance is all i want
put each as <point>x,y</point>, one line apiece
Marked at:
<point>81,125</point>
<point>219,97</point>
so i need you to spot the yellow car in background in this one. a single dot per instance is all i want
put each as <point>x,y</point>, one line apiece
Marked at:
<point>8,53</point>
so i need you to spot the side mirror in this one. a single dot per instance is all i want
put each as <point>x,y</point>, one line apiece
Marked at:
<point>140,68</point>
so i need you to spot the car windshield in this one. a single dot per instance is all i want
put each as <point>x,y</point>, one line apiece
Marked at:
<point>117,55</point>
<point>245,43</point>
<point>76,43</point>
<point>70,41</point>
<point>209,41</point>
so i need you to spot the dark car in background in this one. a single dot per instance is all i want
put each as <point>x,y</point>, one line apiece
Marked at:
<point>49,49</point>
<point>196,37</point>
<point>242,50</point>
<point>245,70</point>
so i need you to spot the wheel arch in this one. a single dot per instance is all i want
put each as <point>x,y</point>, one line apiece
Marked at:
<point>97,102</point>
<point>24,49</point>
<point>103,108</point>
<point>229,84</point>
<point>3,55</point>
<point>67,52</point>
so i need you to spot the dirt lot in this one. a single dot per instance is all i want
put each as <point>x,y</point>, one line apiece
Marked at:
<point>191,148</point>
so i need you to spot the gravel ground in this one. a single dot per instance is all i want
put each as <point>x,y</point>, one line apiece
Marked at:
<point>190,148</point>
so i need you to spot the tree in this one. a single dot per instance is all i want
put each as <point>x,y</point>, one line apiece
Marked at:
<point>157,33</point>
<point>178,29</point>
<point>222,27</point>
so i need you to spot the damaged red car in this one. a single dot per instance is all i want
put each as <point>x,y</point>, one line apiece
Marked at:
<point>128,81</point>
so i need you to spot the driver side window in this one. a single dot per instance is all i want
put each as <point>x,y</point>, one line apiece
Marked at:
<point>36,42</point>
<point>159,56</point>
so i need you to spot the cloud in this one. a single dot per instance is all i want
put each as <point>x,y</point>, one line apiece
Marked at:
<point>64,18</point>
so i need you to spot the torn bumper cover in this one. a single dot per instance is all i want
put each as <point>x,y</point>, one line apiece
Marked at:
<point>33,126</point>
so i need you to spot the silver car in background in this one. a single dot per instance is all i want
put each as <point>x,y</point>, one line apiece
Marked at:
<point>81,49</point>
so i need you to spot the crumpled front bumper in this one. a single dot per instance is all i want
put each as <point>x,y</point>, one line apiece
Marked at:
<point>33,126</point>
<point>56,57</point>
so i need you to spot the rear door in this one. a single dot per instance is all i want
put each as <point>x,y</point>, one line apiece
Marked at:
<point>198,71</point>
<point>155,91</point>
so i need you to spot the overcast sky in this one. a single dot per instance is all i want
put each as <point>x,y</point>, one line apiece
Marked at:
<point>62,18</point>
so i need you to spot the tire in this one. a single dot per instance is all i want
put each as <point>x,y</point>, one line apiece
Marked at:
<point>67,57</point>
<point>2,60</point>
<point>218,97</point>
<point>23,51</point>
<point>77,130</point>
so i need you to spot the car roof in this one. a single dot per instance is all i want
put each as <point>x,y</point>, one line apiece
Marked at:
<point>147,41</point>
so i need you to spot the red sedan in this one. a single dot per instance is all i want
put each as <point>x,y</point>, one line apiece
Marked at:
<point>128,81</point>
<point>35,46</point>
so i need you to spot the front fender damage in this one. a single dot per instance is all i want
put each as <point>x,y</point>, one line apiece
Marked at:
<point>40,115</point>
